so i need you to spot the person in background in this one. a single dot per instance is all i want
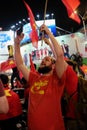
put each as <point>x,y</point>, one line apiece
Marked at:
<point>9,120</point>
<point>26,91</point>
<point>10,51</point>
<point>4,107</point>
<point>15,78</point>
<point>47,86</point>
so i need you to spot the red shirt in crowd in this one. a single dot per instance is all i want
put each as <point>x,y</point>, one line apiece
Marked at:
<point>15,107</point>
<point>44,112</point>
<point>71,85</point>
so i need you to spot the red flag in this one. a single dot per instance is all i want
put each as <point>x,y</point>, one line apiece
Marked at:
<point>34,33</point>
<point>71,6</point>
<point>32,67</point>
<point>7,65</point>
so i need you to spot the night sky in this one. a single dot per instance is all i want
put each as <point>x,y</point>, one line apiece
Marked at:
<point>12,11</point>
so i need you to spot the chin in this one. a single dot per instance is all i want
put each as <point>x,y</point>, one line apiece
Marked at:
<point>44,70</point>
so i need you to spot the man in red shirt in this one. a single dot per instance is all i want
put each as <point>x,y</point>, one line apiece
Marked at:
<point>45,87</point>
<point>8,121</point>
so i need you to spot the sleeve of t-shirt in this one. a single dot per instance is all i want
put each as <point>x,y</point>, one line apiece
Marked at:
<point>71,80</point>
<point>2,93</point>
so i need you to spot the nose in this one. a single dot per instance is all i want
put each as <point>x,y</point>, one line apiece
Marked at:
<point>43,62</point>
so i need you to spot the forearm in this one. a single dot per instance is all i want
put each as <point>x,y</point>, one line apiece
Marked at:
<point>17,55</point>
<point>55,45</point>
<point>48,42</point>
<point>52,49</point>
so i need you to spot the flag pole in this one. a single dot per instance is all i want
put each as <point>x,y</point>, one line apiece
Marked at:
<point>45,10</point>
<point>44,20</point>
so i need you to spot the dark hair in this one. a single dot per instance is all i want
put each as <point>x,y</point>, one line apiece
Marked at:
<point>76,67</point>
<point>4,78</point>
<point>15,70</point>
<point>23,80</point>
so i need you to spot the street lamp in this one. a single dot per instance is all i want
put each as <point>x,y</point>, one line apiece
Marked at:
<point>13,27</point>
<point>0,28</point>
<point>20,22</point>
<point>52,15</point>
<point>28,19</point>
<point>24,21</point>
<point>47,16</point>
<point>38,16</point>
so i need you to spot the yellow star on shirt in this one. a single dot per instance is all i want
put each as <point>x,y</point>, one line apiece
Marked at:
<point>7,92</point>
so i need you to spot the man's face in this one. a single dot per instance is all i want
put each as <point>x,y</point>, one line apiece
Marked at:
<point>46,65</point>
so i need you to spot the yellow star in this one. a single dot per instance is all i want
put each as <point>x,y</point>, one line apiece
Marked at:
<point>11,62</point>
<point>7,92</point>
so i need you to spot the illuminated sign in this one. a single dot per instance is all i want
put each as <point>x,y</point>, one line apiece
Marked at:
<point>6,38</point>
<point>27,29</point>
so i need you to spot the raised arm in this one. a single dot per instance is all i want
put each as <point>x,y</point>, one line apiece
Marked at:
<point>48,42</point>
<point>18,58</point>
<point>61,65</point>
<point>4,107</point>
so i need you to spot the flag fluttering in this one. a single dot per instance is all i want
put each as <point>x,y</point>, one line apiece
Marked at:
<point>9,64</point>
<point>71,6</point>
<point>34,34</point>
<point>32,67</point>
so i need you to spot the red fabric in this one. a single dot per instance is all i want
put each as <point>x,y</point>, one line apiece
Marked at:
<point>84,68</point>
<point>65,58</point>
<point>33,34</point>
<point>44,102</point>
<point>71,3</point>
<point>8,65</point>
<point>75,17</point>
<point>71,88</point>
<point>34,38</point>
<point>71,6</point>
<point>17,84</point>
<point>31,63</point>
<point>26,93</point>
<point>15,107</point>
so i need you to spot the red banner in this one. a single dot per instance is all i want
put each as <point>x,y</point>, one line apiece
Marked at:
<point>71,6</point>
<point>34,33</point>
<point>7,65</point>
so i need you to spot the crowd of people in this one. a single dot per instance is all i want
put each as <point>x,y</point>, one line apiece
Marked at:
<point>10,119</point>
<point>44,87</point>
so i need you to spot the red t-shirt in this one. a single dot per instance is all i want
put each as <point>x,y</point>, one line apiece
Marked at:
<point>71,88</point>
<point>26,93</point>
<point>15,107</point>
<point>44,111</point>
